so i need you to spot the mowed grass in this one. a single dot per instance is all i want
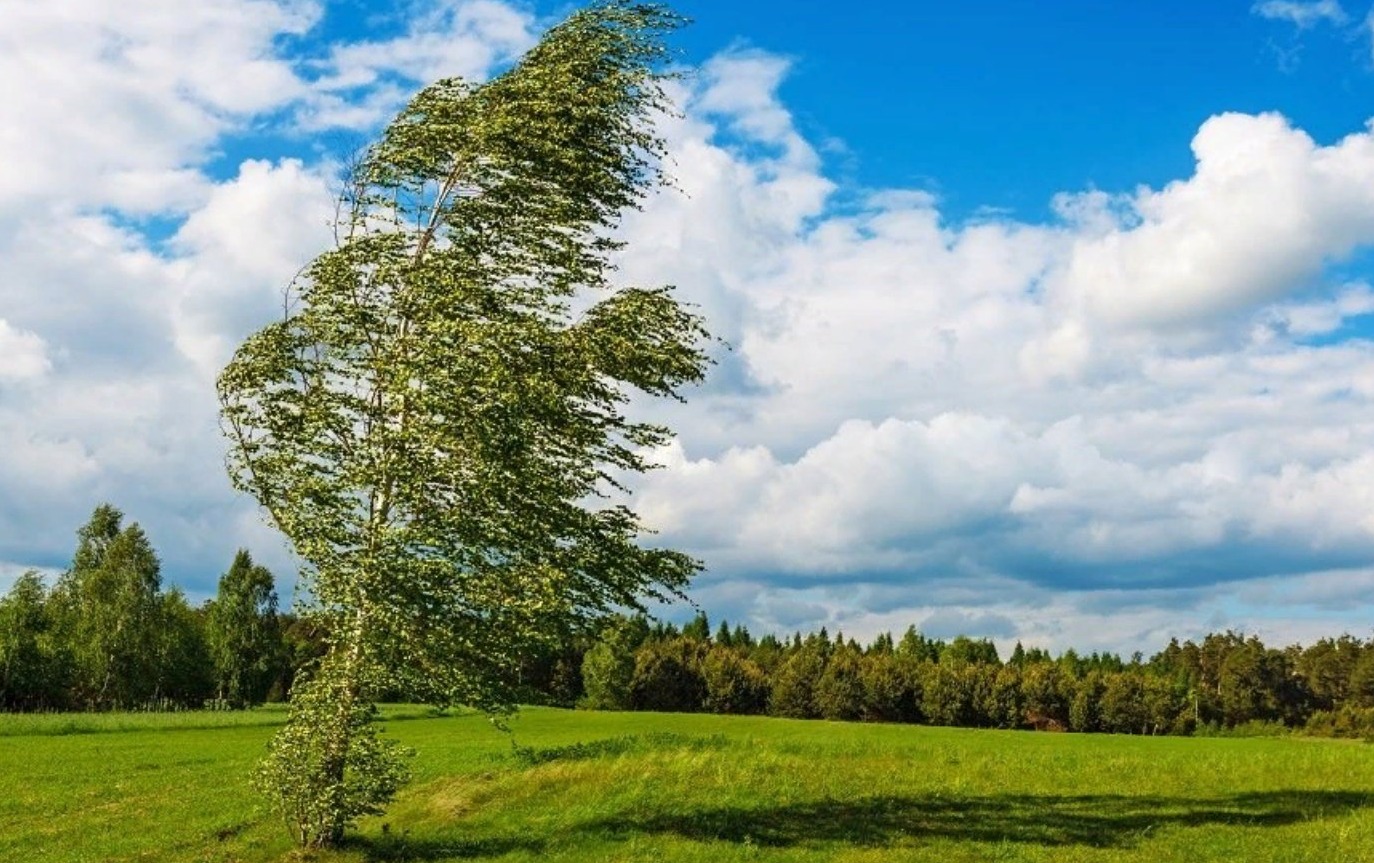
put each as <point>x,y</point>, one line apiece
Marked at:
<point>656,787</point>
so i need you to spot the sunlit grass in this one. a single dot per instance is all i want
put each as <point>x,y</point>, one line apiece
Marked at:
<point>58,724</point>
<point>602,786</point>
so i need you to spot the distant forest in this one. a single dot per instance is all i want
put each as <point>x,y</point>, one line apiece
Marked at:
<point>106,636</point>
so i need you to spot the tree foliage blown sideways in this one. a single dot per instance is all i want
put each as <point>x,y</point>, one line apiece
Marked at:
<point>429,420</point>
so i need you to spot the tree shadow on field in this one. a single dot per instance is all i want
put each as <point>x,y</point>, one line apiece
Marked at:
<point>1100,820</point>
<point>878,821</point>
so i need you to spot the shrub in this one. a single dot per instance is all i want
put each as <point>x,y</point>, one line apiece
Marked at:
<point>1350,722</point>
<point>320,784</point>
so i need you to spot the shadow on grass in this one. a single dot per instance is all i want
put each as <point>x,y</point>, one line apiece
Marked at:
<point>1091,820</point>
<point>1099,821</point>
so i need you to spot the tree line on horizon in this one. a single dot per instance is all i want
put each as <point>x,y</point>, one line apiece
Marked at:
<point>1227,683</point>
<point>107,636</point>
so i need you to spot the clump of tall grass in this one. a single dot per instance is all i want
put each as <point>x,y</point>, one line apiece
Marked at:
<point>655,741</point>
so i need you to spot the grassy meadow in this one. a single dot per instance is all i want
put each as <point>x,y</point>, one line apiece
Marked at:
<point>675,787</point>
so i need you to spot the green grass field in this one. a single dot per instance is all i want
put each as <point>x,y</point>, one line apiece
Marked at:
<point>654,787</point>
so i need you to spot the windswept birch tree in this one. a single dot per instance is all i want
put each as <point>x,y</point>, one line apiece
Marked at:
<point>437,423</point>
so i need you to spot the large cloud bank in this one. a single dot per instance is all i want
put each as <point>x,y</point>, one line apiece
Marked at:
<point>1145,417</point>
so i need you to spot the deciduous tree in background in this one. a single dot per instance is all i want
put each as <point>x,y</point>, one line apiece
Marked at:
<point>667,676</point>
<point>888,693</point>
<point>108,608</point>
<point>242,631</point>
<point>183,656</point>
<point>733,683</point>
<point>839,692</point>
<point>429,421</point>
<point>794,683</point>
<point>1362,681</point>
<point>608,670</point>
<point>30,676</point>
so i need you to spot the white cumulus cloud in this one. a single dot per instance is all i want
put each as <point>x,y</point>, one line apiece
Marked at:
<point>1145,416</point>
<point>1265,209</point>
<point>1302,14</point>
<point>23,355</point>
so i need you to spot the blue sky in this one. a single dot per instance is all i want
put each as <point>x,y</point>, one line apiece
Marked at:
<point>1003,104</point>
<point>1049,322</point>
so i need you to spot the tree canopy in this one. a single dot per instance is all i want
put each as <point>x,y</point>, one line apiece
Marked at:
<point>242,632</point>
<point>438,421</point>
